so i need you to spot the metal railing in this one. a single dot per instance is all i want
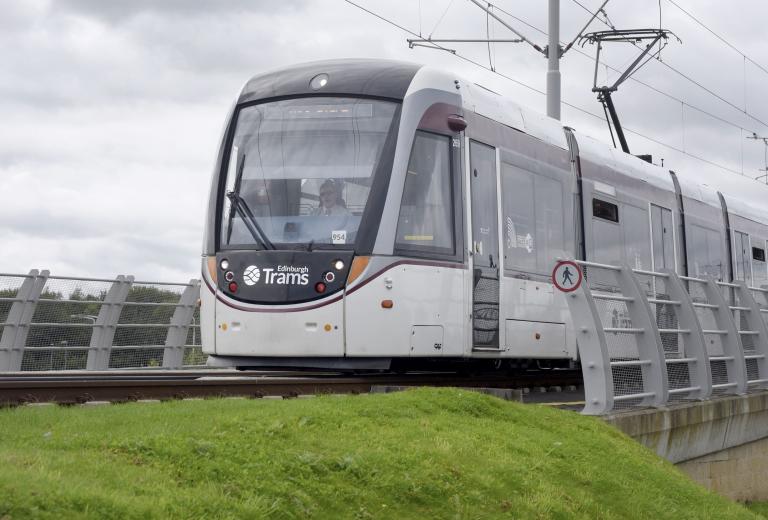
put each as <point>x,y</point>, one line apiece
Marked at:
<point>67,323</point>
<point>650,338</point>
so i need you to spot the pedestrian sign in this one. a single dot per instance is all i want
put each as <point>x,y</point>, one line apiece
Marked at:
<point>567,276</point>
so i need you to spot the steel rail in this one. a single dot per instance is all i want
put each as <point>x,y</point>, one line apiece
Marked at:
<point>80,388</point>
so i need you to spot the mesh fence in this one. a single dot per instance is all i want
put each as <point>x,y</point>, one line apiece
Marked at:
<point>749,339</point>
<point>73,317</point>
<point>674,341</point>
<point>630,371</point>
<point>706,312</point>
<point>621,338</point>
<point>193,347</point>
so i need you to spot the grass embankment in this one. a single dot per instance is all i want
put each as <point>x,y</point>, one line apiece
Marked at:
<point>418,454</point>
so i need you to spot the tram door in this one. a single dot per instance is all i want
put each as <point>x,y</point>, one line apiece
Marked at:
<point>663,249</point>
<point>485,246</point>
<point>663,243</point>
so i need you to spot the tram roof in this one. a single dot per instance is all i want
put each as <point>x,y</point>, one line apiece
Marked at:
<point>392,79</point>
<point>367,77</point>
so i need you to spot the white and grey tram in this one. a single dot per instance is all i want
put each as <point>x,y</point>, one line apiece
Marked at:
<point>372,214</point>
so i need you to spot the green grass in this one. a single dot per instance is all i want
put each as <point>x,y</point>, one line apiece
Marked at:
<point>760,508</point>
<point>417,454</point>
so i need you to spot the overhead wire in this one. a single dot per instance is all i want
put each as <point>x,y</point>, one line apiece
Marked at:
<point>688,78</point>
<point>719,37</point>
<point>488,35</point>
<point>566,48</point>
<point>633,79</point>
<point>539,91</point>
<point>439,20</point>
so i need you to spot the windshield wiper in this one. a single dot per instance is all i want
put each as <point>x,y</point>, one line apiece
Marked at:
<point>242,209</point>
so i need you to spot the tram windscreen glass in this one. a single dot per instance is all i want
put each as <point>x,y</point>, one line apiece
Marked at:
<point>303,169</point>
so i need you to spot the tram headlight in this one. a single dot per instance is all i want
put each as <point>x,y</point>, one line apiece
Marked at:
<point>329,277</point>
<point>224,264</point>
<point>319,81</point>
<point>338,265</point>
<point>229,276</point>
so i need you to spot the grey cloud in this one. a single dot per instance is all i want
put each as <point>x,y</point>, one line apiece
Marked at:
<point>117,11</point>
<point>119,104</point>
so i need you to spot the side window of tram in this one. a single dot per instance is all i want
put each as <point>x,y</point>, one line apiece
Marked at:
<point>704,252</point>
<point>533,227</point>
<point>606,234</point>
<point>426,210</point>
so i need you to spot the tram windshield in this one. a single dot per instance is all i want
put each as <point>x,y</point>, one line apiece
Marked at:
<point>300,171</point>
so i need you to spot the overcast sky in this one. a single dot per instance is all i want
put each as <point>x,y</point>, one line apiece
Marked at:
<point>112,109</point>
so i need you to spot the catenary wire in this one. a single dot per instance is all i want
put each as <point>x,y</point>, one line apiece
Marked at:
<point>722,39</point>
<point>688,78</point>
<point>633,79</point>
<point>439,20</point>
<point>538,91</point>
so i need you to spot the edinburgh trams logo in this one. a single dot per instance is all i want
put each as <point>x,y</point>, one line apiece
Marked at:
<point>280,275</point>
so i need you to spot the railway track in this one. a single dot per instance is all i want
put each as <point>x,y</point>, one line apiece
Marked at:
<point>20,388</point>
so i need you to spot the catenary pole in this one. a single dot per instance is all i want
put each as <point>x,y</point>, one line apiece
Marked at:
<point>553,58</point>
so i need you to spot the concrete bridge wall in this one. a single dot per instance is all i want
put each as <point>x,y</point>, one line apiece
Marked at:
<point>721,443</point>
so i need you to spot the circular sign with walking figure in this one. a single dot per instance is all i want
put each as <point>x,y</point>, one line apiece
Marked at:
<point>567,276</point>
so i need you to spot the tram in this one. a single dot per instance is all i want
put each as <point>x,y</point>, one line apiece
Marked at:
<point>374,214</point>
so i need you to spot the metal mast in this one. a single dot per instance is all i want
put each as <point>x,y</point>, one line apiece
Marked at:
<point>553,51</point>
<point>553,61</point>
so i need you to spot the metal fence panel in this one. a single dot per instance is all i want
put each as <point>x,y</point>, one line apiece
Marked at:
<point>68,323</point>
<point>650,338</point>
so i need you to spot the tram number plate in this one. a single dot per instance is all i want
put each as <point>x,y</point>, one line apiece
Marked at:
<point>339,237</point>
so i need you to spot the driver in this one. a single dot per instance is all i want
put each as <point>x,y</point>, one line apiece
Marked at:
<point>331,202</point>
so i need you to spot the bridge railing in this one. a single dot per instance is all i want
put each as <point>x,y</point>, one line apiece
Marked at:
<point>650,338</point>
<point>68,323</point>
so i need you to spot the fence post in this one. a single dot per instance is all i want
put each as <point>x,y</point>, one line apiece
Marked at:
<point>732,346</point>
<point>176,340</point>
<point>593,352</point>
<point>14,337</point>
<point>695,347</point>
<point>649,344</point>
<point>757,324</point>
<point>106,324</point>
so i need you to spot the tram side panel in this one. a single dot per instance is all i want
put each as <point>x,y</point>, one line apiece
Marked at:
<point>537,214</point>
<point>748,239</point>
<point>536,222</point>
<point>410,301</point>
<point>407,309</point>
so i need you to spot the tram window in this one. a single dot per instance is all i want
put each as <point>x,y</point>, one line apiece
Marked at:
<point>758,254</point>
<point>637,240</point>
<point>533,236</point>
<point>605,210</point>
<point>705,253</point>
<point>550,231</point>
<point>304,169</point>
<point>425,222</point>
<point>520,242</point>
